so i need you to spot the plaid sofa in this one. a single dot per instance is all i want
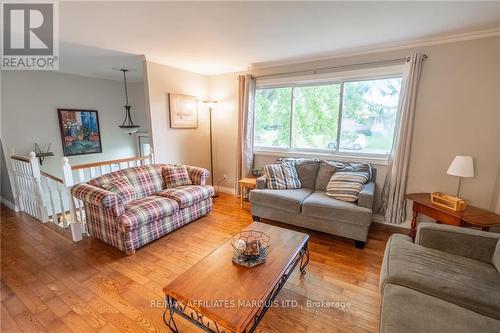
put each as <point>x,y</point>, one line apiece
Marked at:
<point>130,221</point>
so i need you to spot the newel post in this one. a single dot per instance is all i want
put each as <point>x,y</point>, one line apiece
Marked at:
<point>43,213</point>
<point>14,181</point>
<point>76,228</point>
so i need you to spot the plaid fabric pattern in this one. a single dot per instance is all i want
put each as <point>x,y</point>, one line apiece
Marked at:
<point>145,210</point>
<point>146,179</point>
<point>122,188</point>
<point>346,185</point>
<point>156,229</point>
<point>96,196</point>
<point>282,176</point>
<point>176,175</point>
<point>198,176</point>
<point>131,240</point>
<point>147,218</point>
<point>102,225</point>
<point>185,196</point>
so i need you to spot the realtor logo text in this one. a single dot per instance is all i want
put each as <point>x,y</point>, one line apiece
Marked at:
<point>29,36</point>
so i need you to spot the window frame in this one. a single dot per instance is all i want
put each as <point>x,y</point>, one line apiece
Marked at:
<point>390,72</point>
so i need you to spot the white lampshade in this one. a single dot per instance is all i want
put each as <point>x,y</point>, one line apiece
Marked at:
<point>210,104</point>
<point>462,166</point>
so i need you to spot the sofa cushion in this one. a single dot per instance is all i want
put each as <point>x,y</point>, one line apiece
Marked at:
<point>282,176</point>
<point>289,200</point>
<point>345,185</point>
<point>410,311</point>
<point>176,175</point>
<point>466,282</point>
<point>307,169</point>
<point>322,206</point>
<point>146,179</point>
<point>186,196</point>
<point>328,168</point>
<point>146,210</point>
<point>122,188</point>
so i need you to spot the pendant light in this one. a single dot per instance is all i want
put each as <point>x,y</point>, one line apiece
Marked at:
<point>128,125</point>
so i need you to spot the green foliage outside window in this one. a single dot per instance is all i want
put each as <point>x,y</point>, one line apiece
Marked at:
<point>369,114</point>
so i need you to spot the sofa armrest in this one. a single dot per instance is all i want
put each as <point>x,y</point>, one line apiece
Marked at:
<point>475,244</point>
<point>366,195</point>
<point>97,196</point>
<point>198,175</point>
<point>261,182</point>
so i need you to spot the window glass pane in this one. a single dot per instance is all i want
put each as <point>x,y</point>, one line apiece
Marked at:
<point>272,117</point>
<point>368,115</point>
<point>316,110</point>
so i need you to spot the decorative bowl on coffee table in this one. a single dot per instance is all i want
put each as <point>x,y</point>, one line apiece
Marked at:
<point>250,247</point>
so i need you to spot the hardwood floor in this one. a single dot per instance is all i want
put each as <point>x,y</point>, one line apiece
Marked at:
<point>50,284</point>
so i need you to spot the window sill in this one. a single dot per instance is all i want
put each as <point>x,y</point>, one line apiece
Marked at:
<point>360,158</point>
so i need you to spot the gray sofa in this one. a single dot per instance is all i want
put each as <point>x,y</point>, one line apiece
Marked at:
<point>448,281</point>
<point>311,208</point>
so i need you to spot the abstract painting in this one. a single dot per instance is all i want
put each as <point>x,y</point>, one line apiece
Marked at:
<point>183,111</point>
<point>80,132</point>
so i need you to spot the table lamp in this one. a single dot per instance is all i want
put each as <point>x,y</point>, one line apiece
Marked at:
<point>462,166</point>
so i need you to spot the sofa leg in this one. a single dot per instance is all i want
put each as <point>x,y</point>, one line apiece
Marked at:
<point>359,244</point>
<point>129,253</point>
<point>256,218</point>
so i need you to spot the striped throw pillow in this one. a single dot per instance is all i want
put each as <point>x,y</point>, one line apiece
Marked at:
<point>282,176</point>
<point>345,185</point>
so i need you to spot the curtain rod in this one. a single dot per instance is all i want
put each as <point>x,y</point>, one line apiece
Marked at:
<point>335,68</point>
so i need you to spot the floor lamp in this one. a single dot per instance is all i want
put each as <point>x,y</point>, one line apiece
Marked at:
<point>211,105</point>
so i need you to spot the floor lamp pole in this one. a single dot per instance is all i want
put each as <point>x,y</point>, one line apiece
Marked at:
<point>216,194</point>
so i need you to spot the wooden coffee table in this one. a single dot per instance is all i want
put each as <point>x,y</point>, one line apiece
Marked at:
<point>218,295</point>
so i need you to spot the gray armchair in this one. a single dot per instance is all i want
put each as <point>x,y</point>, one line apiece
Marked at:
<point>447,281</point>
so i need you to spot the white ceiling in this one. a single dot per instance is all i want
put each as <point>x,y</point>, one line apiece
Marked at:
<point>213,38</point>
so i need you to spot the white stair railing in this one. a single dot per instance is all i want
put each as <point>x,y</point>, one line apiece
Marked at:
<point>48,198</point>
<point>28,186</point>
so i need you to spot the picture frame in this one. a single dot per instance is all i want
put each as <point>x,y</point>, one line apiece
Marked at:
<point>80,131</point>
<point>183,111</point>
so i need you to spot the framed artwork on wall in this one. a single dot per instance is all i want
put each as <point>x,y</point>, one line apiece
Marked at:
<point>80,133</point>
<point>183,111</point>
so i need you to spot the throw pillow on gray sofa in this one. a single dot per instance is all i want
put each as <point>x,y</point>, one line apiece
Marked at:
<point>307,169</point>
<point>282,176</point>
<point>345,185</point>
<point>328,168</point>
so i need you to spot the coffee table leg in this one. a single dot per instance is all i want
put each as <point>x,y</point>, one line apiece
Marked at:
<point>304,259</point>
<point>170,311</point>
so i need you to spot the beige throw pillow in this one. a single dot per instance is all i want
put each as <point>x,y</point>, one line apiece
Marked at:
<point>346,185</point>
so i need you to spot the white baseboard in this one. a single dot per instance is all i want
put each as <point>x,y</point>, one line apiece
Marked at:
<point>9,204</point>
<point>225,189</point>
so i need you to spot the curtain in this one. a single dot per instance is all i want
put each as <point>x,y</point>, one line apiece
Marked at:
<point>246,99</point>
<point>393,203</point>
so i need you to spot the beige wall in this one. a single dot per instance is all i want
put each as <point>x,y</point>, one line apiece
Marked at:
<point>186,146</point>
<point>458,113</point>
<point>223,88</point>
<point>29,113</point>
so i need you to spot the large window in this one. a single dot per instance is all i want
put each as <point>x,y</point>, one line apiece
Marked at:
<point>350,116</point>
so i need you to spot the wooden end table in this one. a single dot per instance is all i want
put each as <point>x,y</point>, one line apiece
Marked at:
<point>218,295</point>
<point>246,183</point>
<point>470,217</point>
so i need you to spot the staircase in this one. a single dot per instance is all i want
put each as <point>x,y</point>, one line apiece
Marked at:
<point>48,198</point>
